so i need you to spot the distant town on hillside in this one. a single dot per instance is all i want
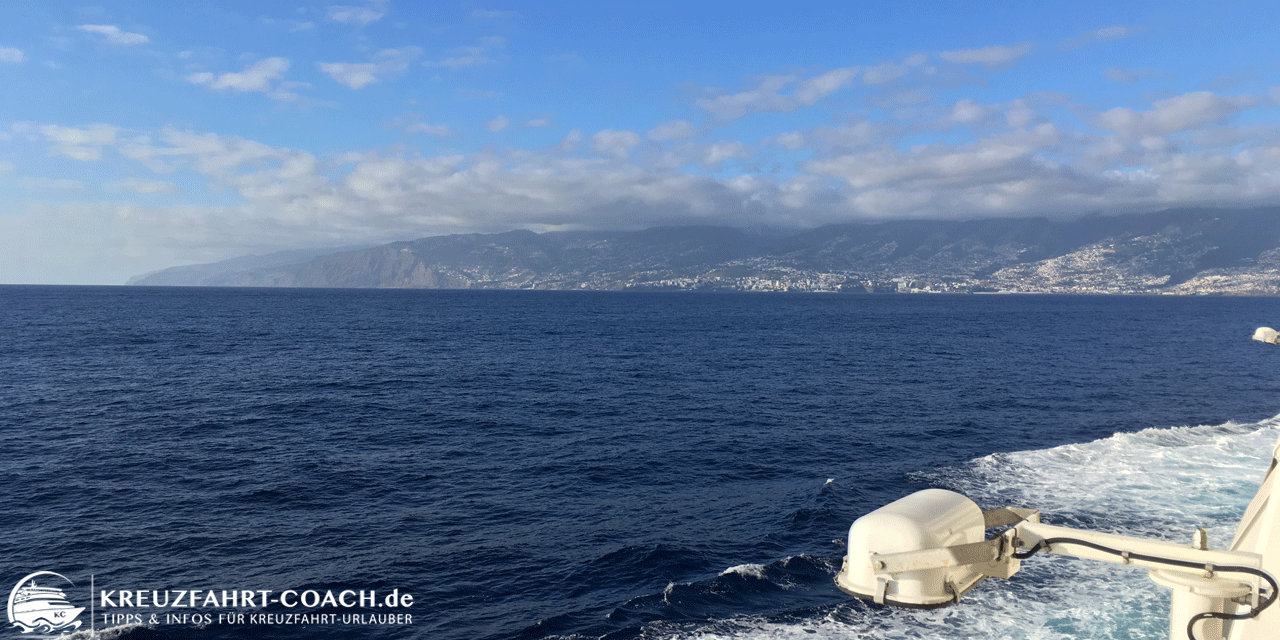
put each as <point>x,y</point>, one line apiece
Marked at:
<point>1181,252</point>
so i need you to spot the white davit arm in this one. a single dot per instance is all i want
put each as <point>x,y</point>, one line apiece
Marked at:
<point>927,550</point>
<point>894,559</point>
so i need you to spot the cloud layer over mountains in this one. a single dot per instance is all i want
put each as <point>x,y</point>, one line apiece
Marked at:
<point>916,135</point>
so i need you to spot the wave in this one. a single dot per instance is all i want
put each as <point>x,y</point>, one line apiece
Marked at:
<point>746,570</point>
<point>1156,483</point>
<point>109,633</point>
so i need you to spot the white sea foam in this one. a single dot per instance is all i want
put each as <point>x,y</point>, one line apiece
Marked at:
<point>1158,483</point>
<point>746,570</point>
<point>761,572</point>
<point>1161,483</point>
<point>109,633</point>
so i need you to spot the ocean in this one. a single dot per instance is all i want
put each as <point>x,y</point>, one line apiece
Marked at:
<point>463,465</point>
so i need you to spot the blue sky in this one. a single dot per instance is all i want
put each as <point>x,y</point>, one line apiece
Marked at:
<point>136,136</point>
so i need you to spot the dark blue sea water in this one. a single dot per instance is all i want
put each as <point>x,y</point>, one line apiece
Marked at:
<point>597,465</point>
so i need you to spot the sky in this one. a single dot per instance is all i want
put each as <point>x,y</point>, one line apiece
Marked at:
<point>138,136</point>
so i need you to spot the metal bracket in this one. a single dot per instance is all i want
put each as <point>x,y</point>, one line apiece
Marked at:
<point>1005,516</point>
<point>954,590</point>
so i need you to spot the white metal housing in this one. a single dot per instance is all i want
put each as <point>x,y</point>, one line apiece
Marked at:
<point>929,519</point>
<point>927,550</point>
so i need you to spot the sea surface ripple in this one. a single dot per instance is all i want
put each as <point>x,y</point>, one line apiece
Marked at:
<point>603,465</point>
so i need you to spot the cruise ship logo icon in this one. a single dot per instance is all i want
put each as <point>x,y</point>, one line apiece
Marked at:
<point>43,609</point>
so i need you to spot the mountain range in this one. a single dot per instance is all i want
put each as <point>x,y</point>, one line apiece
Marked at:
<point>1181,251</point>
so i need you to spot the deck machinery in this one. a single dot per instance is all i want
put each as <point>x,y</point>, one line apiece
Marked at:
<point>928,549</point>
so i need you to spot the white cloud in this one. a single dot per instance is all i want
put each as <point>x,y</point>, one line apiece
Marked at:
<point>359,74</point>
<point>10,54</point>
<point>467,57</point>
<point>106,242</point>
<point>883,72</point>
<point>537,123</point>
<point>1020,113</point>
<point>1009,173</point>
<point>352,74</point>
<point>1014,161</point>
<point>991,159</point>
<point>718,152</point>
<point>888,71</point>
<point>1105,34</point>
<point>992,57</point>
<point>839,139</point>
<point>145,187</point>
<point>966,111</point>
<point>429,129</point>
<point>284,91</point>
<point>470,56</point>
<point>497,124</point>
<point>82,144</point>
<point>396,60</point>
<point>1116,32</point>
<point>114,34</point>
<point>569,143</point>
<point>411,123</point>
<point>811,90</point>
<point>1130,76</point>
<point>291,198</point>
<point>1174,114</point>
<point>792,140</point>
<point>615,144</point>
<point>359,16</point>
<point>50,184</point>
<point>672,130</point>
<point>764,97</point>
<point>769,94</point>
<point>255,77</point>
<point>206,153</point>
<point>5,166</point>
